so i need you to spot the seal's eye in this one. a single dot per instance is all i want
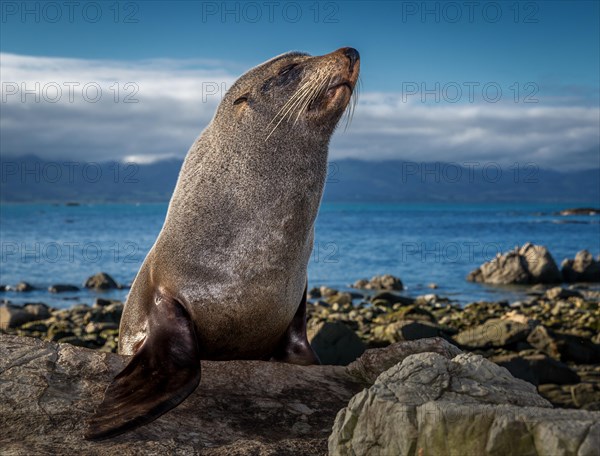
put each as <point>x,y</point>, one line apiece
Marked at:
<point>242,99</point>
<point>287,69</point>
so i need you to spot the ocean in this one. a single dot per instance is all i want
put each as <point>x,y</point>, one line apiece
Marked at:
<point>46,244</point>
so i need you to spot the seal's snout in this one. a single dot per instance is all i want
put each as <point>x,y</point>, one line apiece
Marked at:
<point>352,55</point>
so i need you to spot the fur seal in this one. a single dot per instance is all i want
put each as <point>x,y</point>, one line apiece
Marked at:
<point>226,277</point>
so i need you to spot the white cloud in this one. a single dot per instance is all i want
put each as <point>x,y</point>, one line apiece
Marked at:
<point>176,99</point>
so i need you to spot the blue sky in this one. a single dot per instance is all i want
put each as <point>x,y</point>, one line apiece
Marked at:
<point>553,45</point>
<point>551,42</point>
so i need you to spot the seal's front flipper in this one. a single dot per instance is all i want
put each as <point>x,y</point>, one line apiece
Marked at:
<point>294,346</point>
<point>162,373</point>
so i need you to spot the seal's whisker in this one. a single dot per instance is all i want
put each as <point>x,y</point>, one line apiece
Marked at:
<point>317,89</point>
<point>295,101</point>
<point>292,99</point>
<point>352,105</point>
<point>289,107</point>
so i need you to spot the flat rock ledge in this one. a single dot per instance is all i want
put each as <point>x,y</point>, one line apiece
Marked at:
<point>433,405</point>
<point>48,389</point>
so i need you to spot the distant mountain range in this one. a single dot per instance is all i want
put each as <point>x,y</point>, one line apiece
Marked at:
<point>30,179</point>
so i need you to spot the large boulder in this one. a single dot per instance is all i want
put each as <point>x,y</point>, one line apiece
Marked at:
<point>101,281</point>
<point>530,264</point>
<point>581,269</point>
<point>431,405</point>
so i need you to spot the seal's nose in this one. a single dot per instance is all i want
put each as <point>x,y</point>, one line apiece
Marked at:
<point>352,55</point>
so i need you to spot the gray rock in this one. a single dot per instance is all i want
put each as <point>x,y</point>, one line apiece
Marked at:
<point>240,407</point>
<point>493,333</point>
<point>561,293</point>
<point>12,316</point>
<point>100,302</point>
<point>586,395</point>
<point>530,264</point>
<point>412,330</point>
<point>382,282</point>
<point>23,287</point>
<point>581,269</point>
<point>541,266</point>
<point>335,343</point>
<point>431,405</point>
<point>392,298</point>
<point>377,360</point>
<point>61,288</point>
<point>504,269</point>
<point>38,309</point>
<point>101,281</point>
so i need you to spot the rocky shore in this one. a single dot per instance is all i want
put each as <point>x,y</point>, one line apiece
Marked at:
<point>551,339</point>
<point>528,370</point>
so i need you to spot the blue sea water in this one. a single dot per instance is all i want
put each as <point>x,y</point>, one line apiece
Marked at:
<point>46,244</point>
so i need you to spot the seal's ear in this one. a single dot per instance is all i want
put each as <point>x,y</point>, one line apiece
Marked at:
<point>242,99</point>
<point>163,372</point>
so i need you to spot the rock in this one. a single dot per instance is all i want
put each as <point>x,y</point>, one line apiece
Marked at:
<point>4,288</point>
<point>493,333</point>
<point>335,343</point>
<point>558,395</point>
<point>240,407</point>
<point>430,405</point>
<point>564,347</point>
<point>361,283</point>
<point>100,302</point>
<point>88,341</point>
<point>377,360</point>
<point>410,312</point>
<point>339,298</point>
<point>392,298</point>
<point>23,287</point>
<point>383,282</point>
<point>433,286</point>
<point>540,264</point>
<point>326,292</point>
<point>407,330</point>
<point>580,211</point>
<point>561,293</point>
<point>537,369</point>
<point>586,395</point>
<point>314,293</point>
<point>581,269</point>
<point>101,281</point>
<point>34,326</point>
<point>504,269</point>
<point>60,288</point>
<point>530,264</point>
<point>38,309</point>
<point>12,316</point>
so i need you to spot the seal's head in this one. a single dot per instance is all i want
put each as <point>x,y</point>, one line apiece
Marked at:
<point>294,93</point>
